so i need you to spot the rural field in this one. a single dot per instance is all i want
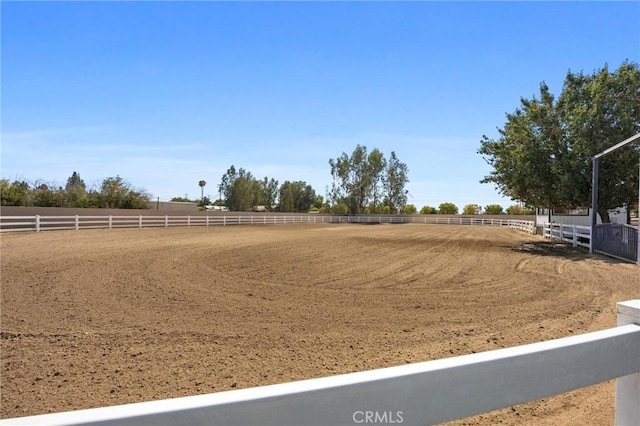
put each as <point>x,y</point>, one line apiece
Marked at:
<point>103,317</point>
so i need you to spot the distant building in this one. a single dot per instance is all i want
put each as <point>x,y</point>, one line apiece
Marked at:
<point>217,208</point>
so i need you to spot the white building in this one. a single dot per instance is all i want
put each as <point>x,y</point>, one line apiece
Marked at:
<point>577,216</point>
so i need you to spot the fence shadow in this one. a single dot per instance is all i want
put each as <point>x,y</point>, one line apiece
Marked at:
<point>561,249</point>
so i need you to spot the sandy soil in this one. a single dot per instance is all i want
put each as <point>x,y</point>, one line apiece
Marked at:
<point>96,318</point>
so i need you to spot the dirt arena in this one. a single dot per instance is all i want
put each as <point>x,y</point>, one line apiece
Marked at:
<point>104,317</point>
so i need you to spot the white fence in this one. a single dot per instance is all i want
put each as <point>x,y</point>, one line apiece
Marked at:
<point>422,393</point>
<point>578,235</point>
<point>46,223</point>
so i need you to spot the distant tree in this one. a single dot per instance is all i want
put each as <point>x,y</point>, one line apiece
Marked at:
<point>226,183</point>
<point>243,195</point>
<point>45,195</point>
<point>351,179</point>
<point>318,202</point>
<point>409,209</point>
<point>447,208</point>
<point>340,208</point>
<point>182,200</point>
<point>376,164</point>
<point>360,179</point>
<point>202,184</point>
<point>269,193</point>
<point>396,182</point>
<point>493,209</point>
<point>428,210</point>
<point>117,193</point>
<point>296,197</point>
<point>471,209</point>
<point>76,191</point>
<point>17,193</point>
<point>518,210</point>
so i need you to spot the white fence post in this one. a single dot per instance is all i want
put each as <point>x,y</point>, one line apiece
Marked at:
<point>628,387</point>
<point>207,220</point>
<point>110,222</point>
<point>77,222</point>
<point>140,221</point>
<point>188,220</point>
<point>166,221</point>
<point>37,222</point>
<point>575,236</point>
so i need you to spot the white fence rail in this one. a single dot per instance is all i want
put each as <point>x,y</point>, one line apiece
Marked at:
<point>50,223</point>
<point>578,235</point>
<point>422,393</point>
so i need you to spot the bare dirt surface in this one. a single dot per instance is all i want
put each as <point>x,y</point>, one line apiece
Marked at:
<point>104,317</point>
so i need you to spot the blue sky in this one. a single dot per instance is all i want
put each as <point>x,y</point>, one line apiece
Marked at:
<point>165,94</point>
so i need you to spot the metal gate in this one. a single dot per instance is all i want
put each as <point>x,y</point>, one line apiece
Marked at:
<point>616,240</point>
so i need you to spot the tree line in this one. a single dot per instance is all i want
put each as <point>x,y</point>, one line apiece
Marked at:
<point>239,191</point>
<point>112,192</point>
<point>543,154</point>
<point>474,209</point>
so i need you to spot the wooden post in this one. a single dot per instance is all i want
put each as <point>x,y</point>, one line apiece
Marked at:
<point>628,387</point>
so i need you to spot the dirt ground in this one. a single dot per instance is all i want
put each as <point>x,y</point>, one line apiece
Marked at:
<point>103,317</point>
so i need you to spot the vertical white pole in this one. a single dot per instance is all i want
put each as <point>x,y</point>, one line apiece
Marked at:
<point>140,221</point>
<point>207,220</point>
<point>37,223</point>
<point>77,222</point>
<point>166,221</point>
<point>188,220</point>
<point>575,236</point>
<point>110,222</point>
<point>628,387</point>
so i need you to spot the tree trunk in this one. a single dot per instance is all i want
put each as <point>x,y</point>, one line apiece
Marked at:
<point>604,215</point>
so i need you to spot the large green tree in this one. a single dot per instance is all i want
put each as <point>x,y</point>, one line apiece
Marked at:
<point>362,178</point>
<point>493,209</point>
<point>396,182</point>
<point>447,208</point>
<point>543,153</point>
<point>117,193</point>
<point>352,179</point>
<point>376,164</point>
<point>76,191</point>
<point>471,209</point>
<point>296,197</point>
<point>242,192</point>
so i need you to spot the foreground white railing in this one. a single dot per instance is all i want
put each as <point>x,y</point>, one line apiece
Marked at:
<point>578,235</point>
<point>50,223</point>
<point>422,393</point>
